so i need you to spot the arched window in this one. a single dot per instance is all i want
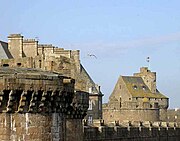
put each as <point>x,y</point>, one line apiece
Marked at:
<point>39,63</point>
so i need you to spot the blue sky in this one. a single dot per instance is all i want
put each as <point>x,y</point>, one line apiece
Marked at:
<point>121,33</point>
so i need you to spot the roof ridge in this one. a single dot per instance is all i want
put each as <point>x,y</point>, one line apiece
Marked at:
<point>139,92</point>
<point>3,41</point>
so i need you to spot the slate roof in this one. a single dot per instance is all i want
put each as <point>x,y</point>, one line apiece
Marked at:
<point>138,88</point>
<point>4,52</point>
<point>95,90</point>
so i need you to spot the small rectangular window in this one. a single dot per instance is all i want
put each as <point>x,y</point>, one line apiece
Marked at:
<point>90,105</point>
<point>5,65</point>
<point>40,62</point>
<point>90,119</point>
<point>90,90</point>
<point>18,64</point>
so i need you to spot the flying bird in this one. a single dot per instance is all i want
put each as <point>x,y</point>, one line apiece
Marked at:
<point>92,55</point>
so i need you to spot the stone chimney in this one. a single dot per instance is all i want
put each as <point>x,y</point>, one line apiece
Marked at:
<point>148,77</point>
<point>15,45</point>
<point>76,55</point>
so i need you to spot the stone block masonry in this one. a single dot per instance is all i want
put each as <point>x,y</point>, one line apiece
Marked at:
<point>38,105</point>
<point>30,127</point>
<point>28,53</point>
<point>132,131</point>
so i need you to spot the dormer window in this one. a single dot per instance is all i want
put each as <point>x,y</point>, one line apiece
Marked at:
<point>135,87</point>
<point>90,89</point>
<point>144,88</point>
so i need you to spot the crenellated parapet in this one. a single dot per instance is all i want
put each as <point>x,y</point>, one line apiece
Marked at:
<point>36,91</point>
<point>29,53</point>
<point>40,105</point>
<point>131,130</point>
<point>31,101</point>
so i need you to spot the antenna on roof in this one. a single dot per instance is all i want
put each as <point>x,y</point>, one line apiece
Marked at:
<point>37,38</point>
<point>148,60</point>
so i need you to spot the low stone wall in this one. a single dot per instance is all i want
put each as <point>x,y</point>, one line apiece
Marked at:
<point>137,131</point>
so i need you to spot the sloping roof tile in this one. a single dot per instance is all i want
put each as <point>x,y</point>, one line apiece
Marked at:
<point>138,88</point>
<point>4,52</point>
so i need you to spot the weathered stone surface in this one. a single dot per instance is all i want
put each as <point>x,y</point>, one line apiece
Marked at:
<point>133,131</point>
<point>28,53</point>
<point>136,98</point>
<point>37,105</point>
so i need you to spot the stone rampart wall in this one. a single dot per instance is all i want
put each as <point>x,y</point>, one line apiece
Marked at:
<point>38,105</point>
<point>31,127</point>
<point>173,115</point>
<point>131,114</point>
<point>157,131</point>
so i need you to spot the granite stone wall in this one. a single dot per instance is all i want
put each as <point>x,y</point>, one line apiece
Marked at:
<point>131,114</point>
<point>37,105</point>
<point>31,127</point>
<point>137,131</point>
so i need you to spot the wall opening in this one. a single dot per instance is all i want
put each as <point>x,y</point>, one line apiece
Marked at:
<point>90,105</point>
<point>5,65</point>
<point>39,63</point>
<point>18,64</point>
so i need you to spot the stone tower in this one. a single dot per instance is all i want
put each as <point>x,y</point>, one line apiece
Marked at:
<point>136,98</point>
<point>148,77</point>
<point>30,47</point>
<point>40,105</point>
<point>28,53</point>
<point>15,45</point>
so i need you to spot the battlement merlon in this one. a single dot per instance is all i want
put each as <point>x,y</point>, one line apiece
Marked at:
<point>15,45</point>
<point>131,131</point>
<point>29,40</point>
<point>15,36</point>
<point>45,46</point>
<point>127,123</point>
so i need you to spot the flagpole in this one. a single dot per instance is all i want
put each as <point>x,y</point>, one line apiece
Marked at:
<point>149,65</point>
<point>148,60</point>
